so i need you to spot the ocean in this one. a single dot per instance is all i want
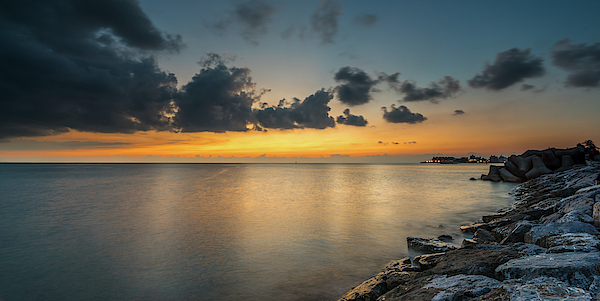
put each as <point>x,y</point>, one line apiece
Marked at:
<point>222,231</point>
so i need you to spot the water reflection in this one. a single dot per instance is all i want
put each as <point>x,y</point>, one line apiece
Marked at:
<point>221,232</point>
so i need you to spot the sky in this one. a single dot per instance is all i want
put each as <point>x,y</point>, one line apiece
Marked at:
<point>305,81</point>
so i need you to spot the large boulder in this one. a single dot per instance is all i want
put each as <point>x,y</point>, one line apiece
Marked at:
<point>392,276</point>
<point>576,269</point>
<point>571,239</point>
<point>540,288</point>
<point>525,165</point>
<point>507,176</point>
<point>460,287</point>
<point>513,168</point>
<point>540,232</point>
<point>493,175</point>
<point>566,163</point>
<point>538,169</point>
<point>428,245</point>
<point>550,160</point>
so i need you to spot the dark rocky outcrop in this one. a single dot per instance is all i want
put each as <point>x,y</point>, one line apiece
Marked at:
<point>534,163</point>
<point>544,247</point>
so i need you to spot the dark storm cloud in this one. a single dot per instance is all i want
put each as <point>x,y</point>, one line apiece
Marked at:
<point>358,85</point>
<point>366,20</point>
<point>402,114</point>
<point>84,65</point>
<point>509,68</point>
<point>581,60</point>
<point>356,88</point>
<point>458,112</point>
<point>217,99</point>
<point>251,16</point>
<point>349,119</point>
<point>324,21</point>
<point>444,88</point>
<point>312,112</point>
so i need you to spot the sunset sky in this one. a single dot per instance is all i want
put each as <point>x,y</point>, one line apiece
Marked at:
<point>391,81</point>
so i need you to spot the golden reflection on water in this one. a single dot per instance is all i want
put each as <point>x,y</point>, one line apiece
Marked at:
<point>234,231</point>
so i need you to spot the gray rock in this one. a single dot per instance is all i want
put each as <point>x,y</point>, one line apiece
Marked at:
<point>566,164</point>
<point>482,235</point>
<point>525,165</point>
<point>541,288</point>
<point>392,276</point>
<point>429,245</point>
<point>493,175</point>
<point>468,243</point>
<point>513,168</point>
<point>516,233</point>
<point>550,160</point>
<point>538,169</point>
<point>567,249</point>
<point>460,286</point>
<point>576,216</point>
<point>537,233</point>
<point>571,239</point>
<point>577,203</point>
<point>507,176</point>
<point>474,227</point>
<point>428,261</point>
<point>576,269</point>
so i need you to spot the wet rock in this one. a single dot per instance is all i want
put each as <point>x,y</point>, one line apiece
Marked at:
<point>482,235</point>
<point>445,238</point>
<point>538,169</point>
<point>429,245</point>
<point>575,269</point>
<point>540,288</point>
<point>507,176</point>
<point>540,232</point>
<point>392,276</point>
<point>474,227</point>
<point>428,261</point>
<point>468,243</point>
<point>493,175</point>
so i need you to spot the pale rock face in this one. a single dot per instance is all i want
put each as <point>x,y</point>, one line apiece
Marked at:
<point>541,288</point>
<point>461,285</point>
<point>575,269</point>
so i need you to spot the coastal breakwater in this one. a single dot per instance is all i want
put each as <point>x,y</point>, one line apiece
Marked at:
<point>534,163</point>
<point>544,247</point>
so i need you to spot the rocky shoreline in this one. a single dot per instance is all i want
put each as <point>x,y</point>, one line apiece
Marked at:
<point>546,246</point>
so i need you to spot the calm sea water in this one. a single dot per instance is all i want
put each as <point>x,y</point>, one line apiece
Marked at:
<point>222,231</point>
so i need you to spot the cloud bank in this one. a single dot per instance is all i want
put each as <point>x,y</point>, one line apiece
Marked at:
<point>84,65</point>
